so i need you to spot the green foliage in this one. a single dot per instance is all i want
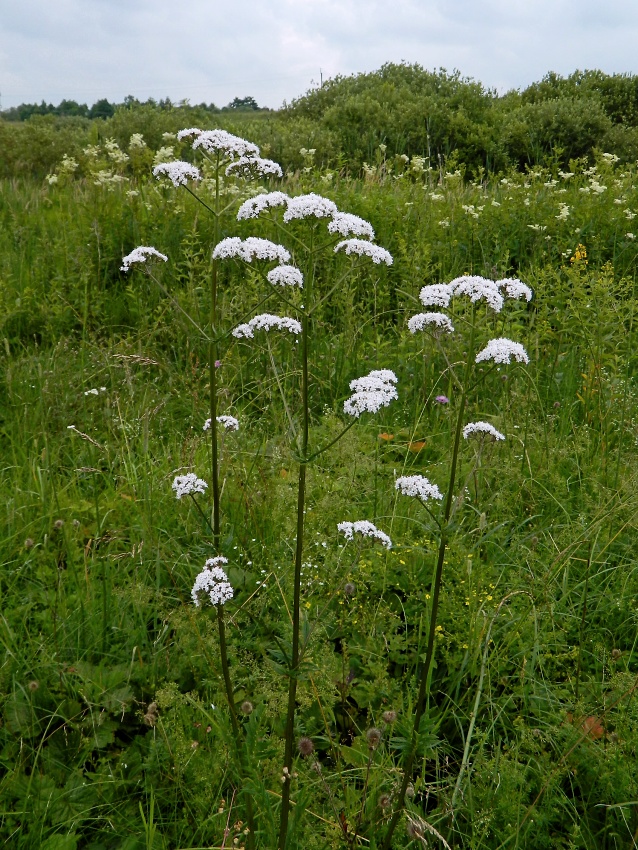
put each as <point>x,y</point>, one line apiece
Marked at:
<point>114,726</point>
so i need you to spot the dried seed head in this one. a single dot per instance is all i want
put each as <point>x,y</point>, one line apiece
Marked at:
<point>305,745</point>
<point>349,589</point>
<point>413,830</point>
<point>384,801</point>
<point>28,543</point>
<point>33,686</point>
<point>615,654</point>
<point>247,707</point>
<point>409,791</point>
<point>389,716</point>
<point>58,524</point>
<point>373,737</point>
<point>150,718</point>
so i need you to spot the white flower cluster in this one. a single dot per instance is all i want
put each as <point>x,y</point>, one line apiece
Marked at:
<point>365,529</point>
<point>365,249</point>
<point>185,134</point>
<point>254,206</point>
<point>436,295</point>
<point>213,581</point>
<point>223,143</point>
<point>346,224</point>
<point>371,392</point>
<point>477,288</point>
<point>177,172</point>
<point>140,255</point>
<point>285,276</point>
<point>482,428</point>
<point>422,320</point>
<point>247,166</point>
<point>502,350</point>
<point>229,423</point>
<point>264,322</point>
<point>303,206</point>
<point>515,288</point>
<point>186,485</point>
<point>417,486</point>
<point>249,249</point>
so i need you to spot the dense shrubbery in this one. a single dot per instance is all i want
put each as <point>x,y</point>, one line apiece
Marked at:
<point>434,114</point>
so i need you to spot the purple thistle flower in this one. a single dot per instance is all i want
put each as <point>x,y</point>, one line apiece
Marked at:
<point>442,399</point>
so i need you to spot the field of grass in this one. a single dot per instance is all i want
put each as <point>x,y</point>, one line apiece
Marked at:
<point>132,718</point>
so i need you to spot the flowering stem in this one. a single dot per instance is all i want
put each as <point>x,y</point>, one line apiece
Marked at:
<point>294,662</point>
<point>429,652</point>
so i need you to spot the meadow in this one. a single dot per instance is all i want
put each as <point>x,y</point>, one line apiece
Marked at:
<point>471,685</point>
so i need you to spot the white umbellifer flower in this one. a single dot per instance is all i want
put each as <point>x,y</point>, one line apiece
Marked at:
<point>221,142</point>
<point>422,320</point>
<point>515,288</point>
<point>371,392</point>
<point>140,255</point>
<point>247,166</point>
<point>482,428</point>
<point>254,206</point>
<point>229,423</point>
<point>303,206</point>
<point>418,486</point>
<point>436,295</point>
<point>191,131</point>
<point>502,350</point>
<point>185,485</point>
<point>286,276</point>
<point>365,249</point>
<point>213,581</point>
<point>346,224</point>
<point>264,322</point>
<point>249,249</point>
<point>177,172</point>
<point>365,529</point>
<point>476,288</point>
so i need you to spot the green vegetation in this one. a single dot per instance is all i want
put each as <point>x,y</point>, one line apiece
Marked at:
<point>116,727</point>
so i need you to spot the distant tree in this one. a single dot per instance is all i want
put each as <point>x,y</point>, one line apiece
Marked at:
<point>102,109</point>
<point>243,104</point>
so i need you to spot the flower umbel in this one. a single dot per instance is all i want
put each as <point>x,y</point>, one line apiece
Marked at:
<point>371,392</point>
<point>502,350</point>
<point>247,166</point>
<point>365,529</point>
<point>417,486</point>
<point>477,288</point>
<point>223,143</point>
<point>304,206</point>
<point>177,172</point>
<point>229,423</point>
<point>421,321</point>
<point>346,224</point>
<point>254,206</point>
<point>213,581</point>
<point>482,429</point>
<point>265,322</point>
<point>286,276</point>
<point>250,249</point>
<point>186,485</point>
<point>436,295</point>
<point>140,255</point>
<point>365,249</point>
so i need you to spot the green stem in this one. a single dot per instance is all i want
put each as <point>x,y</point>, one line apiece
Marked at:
<point>294,665</point>
<point>438,575</point>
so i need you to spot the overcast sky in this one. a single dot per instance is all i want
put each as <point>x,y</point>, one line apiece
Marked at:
<point>275,50</point>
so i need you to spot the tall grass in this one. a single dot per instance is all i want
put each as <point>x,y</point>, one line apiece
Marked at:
<point>114,731</point>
